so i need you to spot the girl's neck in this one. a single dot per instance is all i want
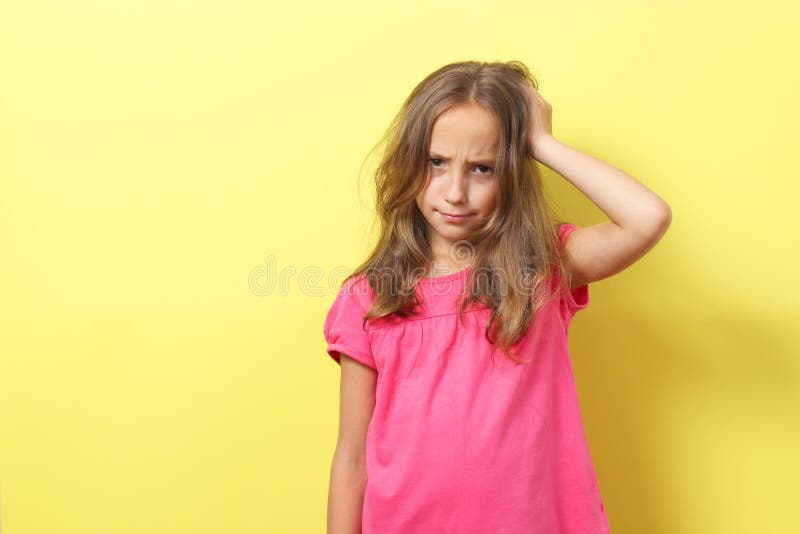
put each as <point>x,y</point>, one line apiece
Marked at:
<point>443,268</point>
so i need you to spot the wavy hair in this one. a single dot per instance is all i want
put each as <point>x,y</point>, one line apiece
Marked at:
<point>514,253</point>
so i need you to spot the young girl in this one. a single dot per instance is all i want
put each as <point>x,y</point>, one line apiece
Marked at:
<point>437,434</point>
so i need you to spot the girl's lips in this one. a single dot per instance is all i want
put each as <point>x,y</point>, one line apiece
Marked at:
<point>453,218</point>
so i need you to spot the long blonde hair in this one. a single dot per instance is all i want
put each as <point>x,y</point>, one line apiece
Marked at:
<point>520,238</point>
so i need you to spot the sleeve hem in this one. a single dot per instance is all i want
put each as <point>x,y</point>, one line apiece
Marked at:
<point>578,298</point>
<point>336,349</point>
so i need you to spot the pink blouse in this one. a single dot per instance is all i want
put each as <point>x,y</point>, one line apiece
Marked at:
<point>456,445</point>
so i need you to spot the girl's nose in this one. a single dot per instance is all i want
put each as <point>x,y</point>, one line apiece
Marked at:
<point>456,190</point>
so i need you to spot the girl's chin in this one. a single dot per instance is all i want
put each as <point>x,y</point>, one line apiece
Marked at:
<point>456,232</point>
<point>454,236</point>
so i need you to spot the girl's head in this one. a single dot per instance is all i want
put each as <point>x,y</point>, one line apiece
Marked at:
<point>461,179</point>
<point>459,145</point>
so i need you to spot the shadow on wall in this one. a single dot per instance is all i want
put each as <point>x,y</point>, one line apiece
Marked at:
<point>687,411</point>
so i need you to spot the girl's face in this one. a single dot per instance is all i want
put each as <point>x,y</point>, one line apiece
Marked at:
<point>461,179</point>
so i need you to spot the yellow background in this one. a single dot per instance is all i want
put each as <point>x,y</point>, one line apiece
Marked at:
<point>163,162</point>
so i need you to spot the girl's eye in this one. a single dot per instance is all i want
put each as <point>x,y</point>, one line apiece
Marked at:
<point>486,169</point>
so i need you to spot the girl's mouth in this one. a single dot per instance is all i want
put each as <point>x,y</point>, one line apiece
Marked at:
<point>453,218</point>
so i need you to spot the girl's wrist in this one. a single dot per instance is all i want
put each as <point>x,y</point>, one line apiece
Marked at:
<point>541,147</point>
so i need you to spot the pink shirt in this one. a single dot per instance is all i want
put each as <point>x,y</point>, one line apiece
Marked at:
<point>456,446</point>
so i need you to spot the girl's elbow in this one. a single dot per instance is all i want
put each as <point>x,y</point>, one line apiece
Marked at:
<point>347,456</point>
<point>665,217</point>
<point>661,219</point>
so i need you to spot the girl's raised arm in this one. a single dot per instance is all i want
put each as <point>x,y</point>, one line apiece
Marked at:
<point>638,217</point>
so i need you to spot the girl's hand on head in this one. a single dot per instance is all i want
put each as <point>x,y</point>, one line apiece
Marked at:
<point>541,120</point>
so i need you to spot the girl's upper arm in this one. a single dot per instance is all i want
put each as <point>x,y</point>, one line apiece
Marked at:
<point>602,250</point>
<point>356,404</point>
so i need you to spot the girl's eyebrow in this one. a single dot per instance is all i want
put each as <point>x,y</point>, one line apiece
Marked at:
<point>482,161</point>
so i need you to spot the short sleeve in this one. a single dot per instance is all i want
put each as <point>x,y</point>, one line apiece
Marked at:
<point>578,298</point>
<point>343,328</point>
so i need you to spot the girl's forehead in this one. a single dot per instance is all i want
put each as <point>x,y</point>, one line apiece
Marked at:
<point>474,130</point>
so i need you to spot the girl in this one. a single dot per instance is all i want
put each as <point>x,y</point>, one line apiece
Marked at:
<point>436,433</point>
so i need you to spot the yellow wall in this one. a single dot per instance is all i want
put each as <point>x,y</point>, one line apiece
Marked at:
<point>156,154</point>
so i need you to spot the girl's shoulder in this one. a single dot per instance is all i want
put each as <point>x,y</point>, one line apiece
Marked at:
<point>572,301</point>
<point>344,327</point>
<point>564,229</point>
<point>354,294</point>
<point>356,284</point>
